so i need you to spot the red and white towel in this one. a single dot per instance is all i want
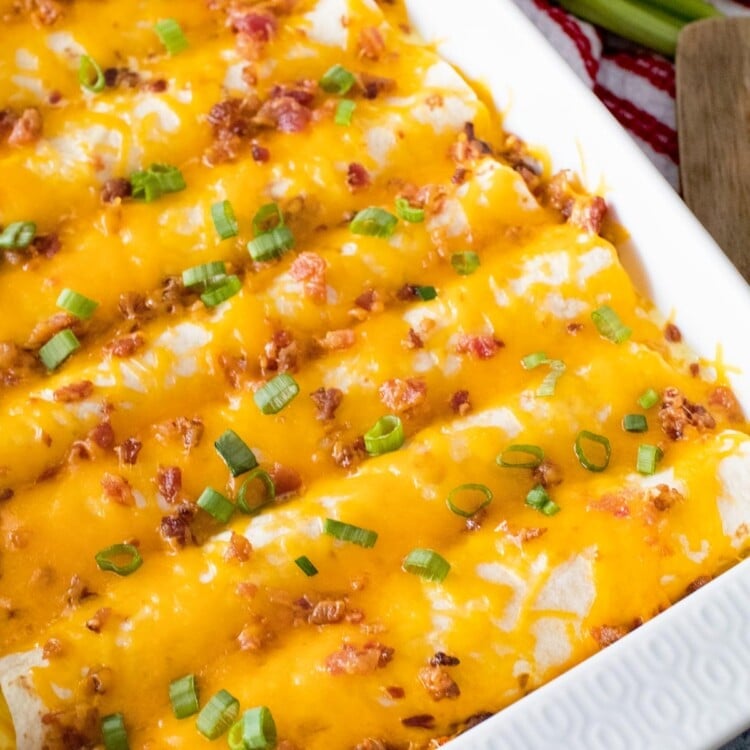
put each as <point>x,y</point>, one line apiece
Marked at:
<point>637,86</point>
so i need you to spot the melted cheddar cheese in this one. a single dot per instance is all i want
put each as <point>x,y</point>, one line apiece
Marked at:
<point>117,443</point>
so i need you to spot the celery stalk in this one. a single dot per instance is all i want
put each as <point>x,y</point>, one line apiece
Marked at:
<point>643,25</point>
<point>690,10</point>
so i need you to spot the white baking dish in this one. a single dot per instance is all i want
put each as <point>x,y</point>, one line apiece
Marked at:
<point>683,679</point>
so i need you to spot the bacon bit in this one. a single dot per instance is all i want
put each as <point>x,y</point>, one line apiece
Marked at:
<point>695,369</point>
<point>412,340</point>
<point>6,493</point>
<point>401,395</point>
<point>279,354</point>
<point>135,306</point>
<point>529,533</point>
<point>724,399</point>
<point>190,429</point>
<point>372,86</point>
<point>118,489</point>
<point>460,403</point>
<point>338,340</point>
<point>672,333</point>
<point>347,455</point>
<point>310,269</point>
<point>231,121</point>
<point>370,301</point>
<point>27,129</point>
<point>47,245</point>
<point>246,589</point>
<point>396,692</point>
<point>459,176</point>
<point>420,721</point>
<point>98,680</point>
<point>606,635</point>
<point>285,479</point>
<point>259,153</point>
<point>481,716</point>
<point>73,392</point>
<point>574,328</point>
<point>15,363</point>
<point>370,743</point>
<point>128,450</point>
<point>327,400</point>
<point>370,43</point>
<point>121,77</point>
<point>468,149</point>
<point>303,92</point>
<point>285,114</point>
<point>698,583</point>
<point>169,482</point>
<point>327,612</point>
<point>249,638</point>
<point>44,12</point>
<point>548,474</point>
<point>676,413</point>
<point>46,329</point>
<point>103,435</point>
<point>52,648</point>
<point>616,504</point>
<point>663,497</point>
<point>438,683</point>
<point>480,346</point>
<point>566,195</point>
<point>175,528</point>
<point>97,622</point>
<point>351,659</point>
<point>125,346</point>
<point>407,293</point>
<point>441,659</point>
<point>474,522</point>
<point>76,727</point>
<point>76,592</point>
<point>357,177</point>
<point>238,548</point>
<point>259,25</point>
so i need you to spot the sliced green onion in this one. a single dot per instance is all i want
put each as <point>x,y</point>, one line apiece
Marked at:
<point>218,715</point>
<point>269,491</point>
<point>75,303</point>
<point>690,10</point>
<point>648,398</point>
<point>347,532</point>
<point>272,244</point>
<point>541,501</point>
<point>530,361</point>
<point>58,349</point>
<point>465,263</point>
<point>274,395</point>
<point>122,559</point>
<point>547,386</point>
<point>304,564</point>
<point>507,462</point>
<point>221,291</point>
<point>113,732</point>
<point>609,325</point>
<point>585,436</point>
<point>648,457</point>
<point>256,730</point>
<point>466,488</point>
<point>337,80</point>
<point>206,273</point>
<point>426,293</point>
<point>634,423</point>
<point>19,234</point>
<point>90,75</point>
<point>225,222</point>
<point>266,218</point>
<point>183,695</point>
<point>344,111</point>
<point>386,435</point>
<point>374,222</point>
<point>216,505</point>
<point>407,212</point>
<point>171,35</point>
<point>150,184</point>
<point>235,453</point>
<point>427,564</point>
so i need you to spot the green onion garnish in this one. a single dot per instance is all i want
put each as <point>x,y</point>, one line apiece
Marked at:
<point>337,80</point>
<point>271,244</point>
<point>17,235</point>
<point>427,564</point>
<point>465,263</point>
<point>274,395</point>
<point>122,559</point>
<point>58,349</point>
<point>206,273</point>
<point>269,491</point>
<point>407,212</point>
<point>386,435</point>
<point>216,505</point>
<point>256,730</point>
<point>235,453</point>
<point>374,222</point>
<point>221,291</point>
<point>530,361</point>
<point>217,715</point>
<point>266,218</point>
<point>75,303</point>
<point>344,111</point>
<point>466,488</point>
<point>304,564</point>
<point>592,437</point>
<point>90,75</point>
<point>425,293</point>
<point>541,501</point>
<point>609,325</point>
<point>547,386</point>
<point>346,532</point>
<point>171,35</point>
<point>507,462</point>
<point>113,732</point>
<point>183,695</point>
<point>225,222</point>
<point>648,398</point>
<point>648,457</point>
<point>150,184</point>
<point>634,423</point>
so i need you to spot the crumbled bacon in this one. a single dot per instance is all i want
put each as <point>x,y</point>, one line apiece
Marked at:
<point>259,153</point>
<point>250,638</point>
<point>260,25</point>
<point>548,474</point>
<point>460,403</point>
<point>357,177</point>
<point>327,400</point>
<point>585,211</point>
<point>481,346</point>
<point>369,300</point>
<point>369,743</point>
<point>615,503</point>
<point>477,718</point>
<point>125,346</point>
<point>285,114</point>
<point>73,392</point>
<point>438,683</point>
<point>467,148</point>
<point>421,721</point>
<point>285,479</point>
<point>15,363</point>
<point>395,691</point>
<point>672,333</point>
<point>169,482</point>
<point>238,548</point>
<point>698,583</point>
<point>441,659</point>
<point>100,617</point>
<point>47,245</point>
<point>400,395</point>
<point>116,189</point>
<point>231,121</point>
<point>53,647</point>
<point>334,341</point>
<point>135,306</point>
<point>327,612</point>
<point>117,489</point>
<point>128,450</point>
<point>723,399</point>
<point>98,679</point>
<point>606,635</point>
<point>190,429</point>
<point>310,269</point>
<point>677,413</point>
<point>303,92</point>
<point>346,454</point>
<point>103,435</point>
<point>372,86</point>
<point>27,128</point>
<point>413,340</point>
<point>371,43</point>
<point>6,493</point>
<point>235,369</point>
<point>75,728</point>
<point>175,528</point>
<point>351,659</point>
<point>46,329</point>
<point>663,497</point>
<point>116,77</point>
<point>279,354</point>
<point>76,592</point>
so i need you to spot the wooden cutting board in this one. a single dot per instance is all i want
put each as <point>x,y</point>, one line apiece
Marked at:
<point>713,115</point>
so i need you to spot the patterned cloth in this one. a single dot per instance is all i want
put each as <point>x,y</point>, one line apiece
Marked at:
<point>637,86</point>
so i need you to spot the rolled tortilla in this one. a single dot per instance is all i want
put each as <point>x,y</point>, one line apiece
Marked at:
<point>24,707</point>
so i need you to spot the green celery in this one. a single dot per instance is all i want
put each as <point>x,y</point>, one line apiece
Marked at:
<point>690,10</point>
